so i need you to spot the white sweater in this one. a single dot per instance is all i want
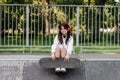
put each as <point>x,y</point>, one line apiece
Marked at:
<point>68,46</point>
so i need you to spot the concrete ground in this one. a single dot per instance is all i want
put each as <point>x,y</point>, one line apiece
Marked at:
<point>83,57</point>
<point>92,67</point>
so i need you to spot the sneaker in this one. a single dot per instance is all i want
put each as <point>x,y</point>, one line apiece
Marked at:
<point>57,69</point>
<point>63,69</point>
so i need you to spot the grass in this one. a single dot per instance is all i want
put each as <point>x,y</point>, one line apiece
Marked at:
<point>48,40</point>
<point>102,50</point>
<point>42,50</point>
<point>18,45</point>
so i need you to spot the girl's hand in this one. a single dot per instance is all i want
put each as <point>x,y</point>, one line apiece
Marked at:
<point>53,57</point>
<point>67,57</point>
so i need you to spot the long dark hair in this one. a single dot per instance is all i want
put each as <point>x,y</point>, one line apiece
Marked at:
<point>67,27</point>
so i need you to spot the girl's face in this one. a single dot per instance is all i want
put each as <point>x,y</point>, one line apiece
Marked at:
<point>63,31</point>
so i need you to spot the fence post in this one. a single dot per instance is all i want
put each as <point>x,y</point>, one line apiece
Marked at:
<point>27,25</point>
<point>77,27</point>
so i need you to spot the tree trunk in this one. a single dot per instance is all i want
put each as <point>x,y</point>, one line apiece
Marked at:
<point>46,2</point>
<point>46,20</point>
<point>89,2</point>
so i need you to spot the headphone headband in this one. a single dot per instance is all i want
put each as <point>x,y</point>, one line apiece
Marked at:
<point>68,29</point>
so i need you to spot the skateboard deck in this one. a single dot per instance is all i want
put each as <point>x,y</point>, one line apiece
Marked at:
<point>47,62</point>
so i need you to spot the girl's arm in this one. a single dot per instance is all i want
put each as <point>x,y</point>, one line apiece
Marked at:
<point>70,46</point>
<point>54,45</point>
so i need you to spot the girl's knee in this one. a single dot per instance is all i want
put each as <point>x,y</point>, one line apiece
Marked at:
<point>63,52</point>
<point>58,49</point>
<point>62,49</point>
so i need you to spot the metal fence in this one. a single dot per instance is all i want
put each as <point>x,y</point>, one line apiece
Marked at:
<point>27,25</point>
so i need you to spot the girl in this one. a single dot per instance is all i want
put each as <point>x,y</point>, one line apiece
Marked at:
<point>63,45</point>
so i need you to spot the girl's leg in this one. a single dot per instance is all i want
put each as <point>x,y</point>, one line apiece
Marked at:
<point>63,52</point>
<point>57,55</point>
<point>57,52</point>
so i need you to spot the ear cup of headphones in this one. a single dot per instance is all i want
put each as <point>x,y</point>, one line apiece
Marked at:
<point>65,24</point>
<point>68,29</point>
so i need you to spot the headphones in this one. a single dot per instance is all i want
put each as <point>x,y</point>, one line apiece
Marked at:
<point>68,29</point>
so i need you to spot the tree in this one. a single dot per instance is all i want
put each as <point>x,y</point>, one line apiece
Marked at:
<point>46,2</point>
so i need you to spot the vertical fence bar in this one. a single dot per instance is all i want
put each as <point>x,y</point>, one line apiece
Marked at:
<point>88,26</point>
<point>0,24</point>
<point>83,30</point>
<point>114,24</point>
<point>16,26</point>
<point>96,27</point>
<point>23,37</point>
<point>99,23</point>
<point>20,25</point>
<point>12,27</point>
<point>4,26</point>
<point>27,25</point>
<point>42,26</point>
<point>92,25</point>
<point>52,23</point>
<point>31,24</point>
<point>34,25</point>
<point>85,26</point>
<point>81,22</point>
<point>118,26</point>
<point>107,34</point>
<point>80,19</point>
<point>38,25</point>
<point>46,26</point>
<point>8,25</point>
<point>50,40</point>
<point>69,15</point>
<point>31,27</point>
<point>77,27</point>
<point>23,24</point>
<point>103,26</point>
<point>65,15</point>
<point>72,25</point>
<point>111,23</point>
<point>72,18</point>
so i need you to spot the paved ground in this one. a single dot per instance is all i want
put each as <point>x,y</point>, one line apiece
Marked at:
<point>92,67</point>
<point>80,56</point>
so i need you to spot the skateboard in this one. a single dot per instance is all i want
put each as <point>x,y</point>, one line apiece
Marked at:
<point>47,62</point>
